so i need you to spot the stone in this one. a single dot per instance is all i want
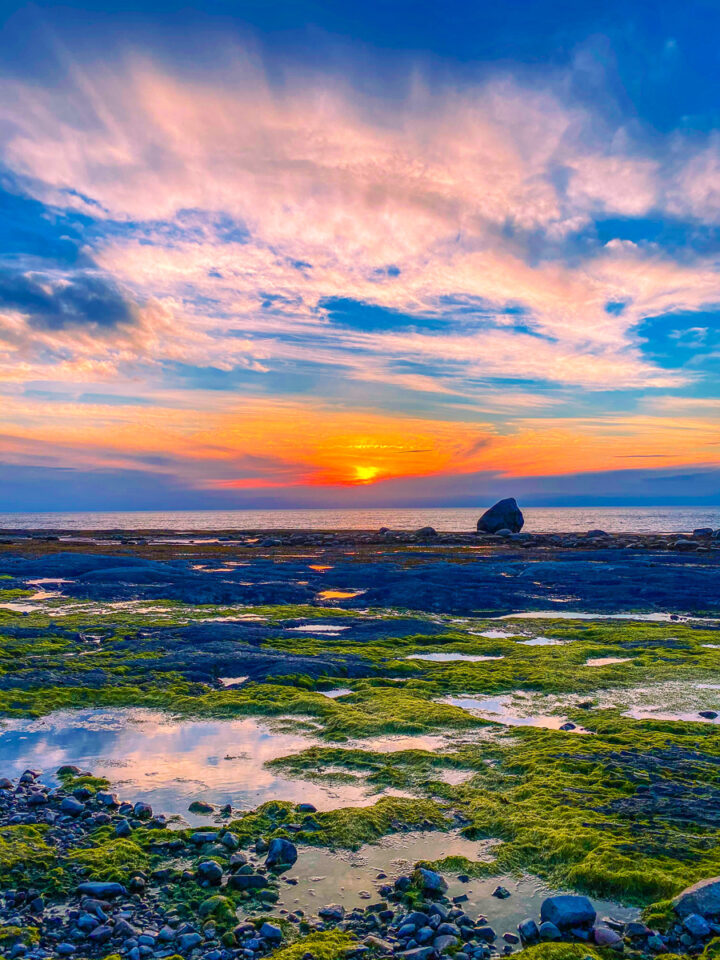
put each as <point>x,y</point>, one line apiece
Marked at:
<point>485,933</point>
<point>528,930</point>
<point>708,714</point>
<point>702,897</point>
<point>306,808</point>
<point>101,890</point>
<point>606,937</point>
<point>505,514</point>
<point>444,942</point>
<point>502,893</point>
<point>143,811</point>
<point>188,941</point>
<point>430,880</point>
<point>697,926</point>
<point>595,533</point>
<point>230,841</point>
<point>509,937</point>
<point>244,881</point>
<point>281,853</point>
<point>72,807</point>
<point>333,911</point>
<point>210,871</point>
<point>567,910</point>
<point>418,953</point>
<point>100,934</point>
<point>268,931</point>
<point>200,806</point>
<point>702,532</point>
<point>549,931</point>
<point>428,532</point>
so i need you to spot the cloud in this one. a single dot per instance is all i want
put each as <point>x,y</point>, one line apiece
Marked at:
<point>57,303</point>
<point>279,238</point>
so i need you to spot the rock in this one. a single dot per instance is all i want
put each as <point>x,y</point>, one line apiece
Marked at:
<point>200,806</point>
<point>333,911</point>
<point>306,808</point>
<point>426,532</point>
<point>697,926</point>
<point>636,928</point>
<point>549,931</point>
<point>606,937</point>
<point>444,942</point>
<point>708,714</point>
<point>107,799</point>
<point>418,953</point>
<point>100,934</point>
<point>230,841</point>
<point>210,871</point>
<point>502,893</point>
<point>430,881</point>
<point>143,811</point>
<point>567,911</point>
<point>656,944</point>
<point>505,514</point>
<point>123,829</point>
<point>528,930</point>
<point>595,533</point>
<point>247,881</point>
<point>702,532</point>
<point>702,897</point>
<point>65,949</point>
<point>268,931</point>
<point>101,891</point>
<point>72,807</point>
<point>69,770</point>
<point>568,725</point>
<point>188,942</point>
<point>281,853</point>
<point>511,937</point>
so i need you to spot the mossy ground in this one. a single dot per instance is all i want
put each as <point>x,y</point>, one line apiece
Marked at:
<point>583,811</point>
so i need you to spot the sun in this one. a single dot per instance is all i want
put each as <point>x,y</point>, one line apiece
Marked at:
<point>366,474</point>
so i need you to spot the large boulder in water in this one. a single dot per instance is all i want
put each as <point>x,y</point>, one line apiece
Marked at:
<point>505,514</point>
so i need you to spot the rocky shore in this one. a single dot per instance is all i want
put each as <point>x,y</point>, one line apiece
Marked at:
<point>201,896</point>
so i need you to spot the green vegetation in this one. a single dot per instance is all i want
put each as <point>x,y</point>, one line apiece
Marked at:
<point>331,945</point>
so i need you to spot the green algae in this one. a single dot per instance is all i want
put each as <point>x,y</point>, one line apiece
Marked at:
<point>110,859</point>
<point>27,859</point>
<point>328,945</point>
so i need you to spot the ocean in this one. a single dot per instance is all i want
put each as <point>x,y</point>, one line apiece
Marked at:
<point>537,519</point>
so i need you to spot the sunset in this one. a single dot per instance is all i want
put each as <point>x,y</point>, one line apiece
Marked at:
<point>359,480</point>
<point>263,256</point>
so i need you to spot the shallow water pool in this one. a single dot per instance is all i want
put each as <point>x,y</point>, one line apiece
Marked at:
<point>150,756</point>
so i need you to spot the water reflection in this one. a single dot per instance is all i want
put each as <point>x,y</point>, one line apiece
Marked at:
<point>169,763</point>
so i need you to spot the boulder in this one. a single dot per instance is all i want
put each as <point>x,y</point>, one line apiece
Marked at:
<point>281,853</point>
<point>702,897</point>
<point>505,514</point>
<point>567,910</point>
<point>549,931</point>
<point>210,871</point>
<point>101,891</point>
<point>604,936</point>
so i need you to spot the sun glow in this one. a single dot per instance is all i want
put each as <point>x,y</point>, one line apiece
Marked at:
<point>366,474</point>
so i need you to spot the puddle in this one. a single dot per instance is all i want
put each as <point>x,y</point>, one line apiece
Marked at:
<point>328,628</point>
<point>231,681</point>
<point>449,657</point>
<point>606,661</point>
<point>510,711</point>
<point>543,642</point>
<point>495,634</point>
<point>334,694</point>
<point>394,744</point>
<point>339,594</point>
<point>352,878</point>
<point>574,615</point>
<point>150,756</point>
<point>320,567</point>
<point>659,713</point>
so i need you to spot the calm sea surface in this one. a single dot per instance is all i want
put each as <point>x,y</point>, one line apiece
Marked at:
<point>537,519</point>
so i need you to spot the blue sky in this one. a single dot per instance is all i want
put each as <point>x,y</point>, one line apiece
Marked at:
<point>305,254</point>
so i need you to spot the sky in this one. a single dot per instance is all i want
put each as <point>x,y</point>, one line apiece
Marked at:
<point>301,253</point>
